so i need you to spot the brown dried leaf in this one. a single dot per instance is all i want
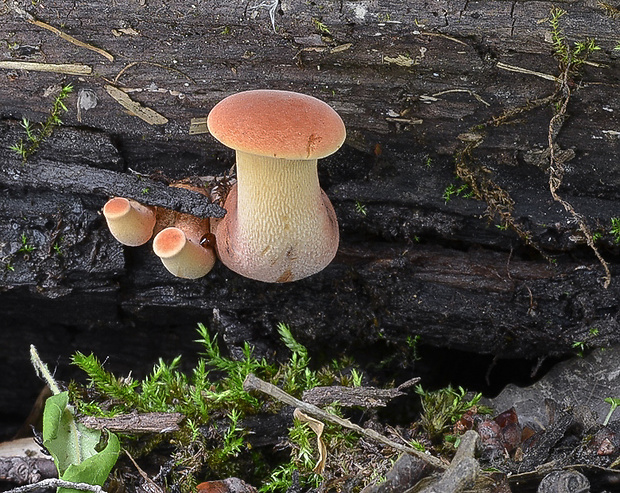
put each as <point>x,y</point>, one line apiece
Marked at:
<point>316,426</point>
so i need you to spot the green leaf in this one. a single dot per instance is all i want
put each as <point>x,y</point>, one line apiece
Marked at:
<point>95,469</point>
<point>74,447</point>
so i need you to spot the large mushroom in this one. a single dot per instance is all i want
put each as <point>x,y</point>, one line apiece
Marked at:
<point>280,226</point>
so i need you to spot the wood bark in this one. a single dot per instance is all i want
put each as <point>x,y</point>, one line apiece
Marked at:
<point>413,81</point>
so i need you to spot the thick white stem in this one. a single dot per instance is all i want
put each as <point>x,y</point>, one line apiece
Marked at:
<point>280,226</point>
<point>277,200</point>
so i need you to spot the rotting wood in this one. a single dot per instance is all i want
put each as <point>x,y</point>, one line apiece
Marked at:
<point>135,422</point>
<point>254,383</point>
<point>365,397</point>
<point>413,265</point>
<point>26,470</point>
<point>105,183</point>
<point>56,483</point>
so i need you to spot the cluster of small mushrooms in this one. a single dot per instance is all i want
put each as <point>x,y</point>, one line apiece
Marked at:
<point>279,225</point>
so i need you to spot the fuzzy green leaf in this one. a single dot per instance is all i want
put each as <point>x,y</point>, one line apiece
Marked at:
<point>73,446</point>
<point>95,469</point>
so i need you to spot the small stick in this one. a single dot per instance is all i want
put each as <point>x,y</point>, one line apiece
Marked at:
<point>71,39</point>
<point>30,18</point>
<point>153,486</point>
<point>57,483</point>
<point>252,382</point>
<point>59,68</point>
<point>512,68</point>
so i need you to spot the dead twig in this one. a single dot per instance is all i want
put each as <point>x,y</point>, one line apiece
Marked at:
<point>57,483</point>
<point>135,422</point>
<point>133,64</point>
<point>254,383</point>
<point>366,397</point>
<point>32,20</point>
<point>59,68</point>
<point>153,487</point>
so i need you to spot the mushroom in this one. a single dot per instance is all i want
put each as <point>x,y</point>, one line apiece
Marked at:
<point>182,250</point>
<point>280,226</point>
<point>130,222</point>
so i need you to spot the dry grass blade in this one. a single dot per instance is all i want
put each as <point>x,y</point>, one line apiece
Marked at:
<point>513,68</point>
<point>71,39</point>
<point>317,427</point>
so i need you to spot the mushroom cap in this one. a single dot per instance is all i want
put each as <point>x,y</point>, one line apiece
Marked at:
<point>280,124</point>
<point>130,222</point>
<point>116,207</point>
<point>169,242</point>
<point>182,256</point>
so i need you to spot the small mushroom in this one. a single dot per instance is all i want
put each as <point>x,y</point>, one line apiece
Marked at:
<point>130,222</point>
<point>280,226</point>
<point>180,250</point>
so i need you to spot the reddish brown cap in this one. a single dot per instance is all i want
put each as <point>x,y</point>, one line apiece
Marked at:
<point>278,124</point>
<point>130,222</point>
<point>181,255</point>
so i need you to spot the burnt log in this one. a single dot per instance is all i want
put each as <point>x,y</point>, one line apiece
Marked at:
<point>420,85</point>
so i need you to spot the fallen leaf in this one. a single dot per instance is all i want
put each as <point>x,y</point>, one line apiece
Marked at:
<point>316,426</point>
